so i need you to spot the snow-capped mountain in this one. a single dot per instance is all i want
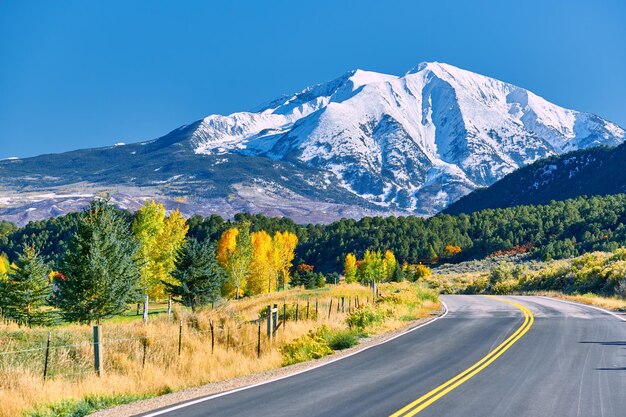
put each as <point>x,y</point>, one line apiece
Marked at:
<point>415,142</point>
<point>364,141</point>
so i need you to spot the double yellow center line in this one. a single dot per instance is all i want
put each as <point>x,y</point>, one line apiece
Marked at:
<point>435,394</point>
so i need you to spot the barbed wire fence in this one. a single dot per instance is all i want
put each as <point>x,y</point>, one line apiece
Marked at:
<point>56,355</point>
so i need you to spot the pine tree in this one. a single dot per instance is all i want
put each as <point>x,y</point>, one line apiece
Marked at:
<point>199,276</point>
<point>100,273</point>
<point>397,275</point>
<point>27,289</point>
<point>434,258</point>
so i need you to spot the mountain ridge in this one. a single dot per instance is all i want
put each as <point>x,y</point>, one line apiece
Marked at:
<point>364,143</point>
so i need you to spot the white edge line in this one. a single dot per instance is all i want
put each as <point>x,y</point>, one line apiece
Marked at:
<point>222,394</point>
<point>585,305</point>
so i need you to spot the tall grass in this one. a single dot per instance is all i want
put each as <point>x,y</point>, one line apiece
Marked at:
<point>142,360</point>
<point>609,303</point>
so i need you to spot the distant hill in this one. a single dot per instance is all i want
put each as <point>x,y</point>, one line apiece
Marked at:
<point>595,171</point>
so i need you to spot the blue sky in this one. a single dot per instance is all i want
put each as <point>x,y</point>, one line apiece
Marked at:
<point>77,74</point>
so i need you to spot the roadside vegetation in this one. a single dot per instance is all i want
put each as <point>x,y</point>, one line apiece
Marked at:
<point>331,284</point>
<point>596,278</point>
<point>213,294</point>
<point>142,360</point>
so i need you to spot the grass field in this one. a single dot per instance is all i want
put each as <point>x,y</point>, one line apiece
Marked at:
<point>143,360</point>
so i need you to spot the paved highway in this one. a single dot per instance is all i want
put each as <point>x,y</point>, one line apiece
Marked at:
<point>504,356</point>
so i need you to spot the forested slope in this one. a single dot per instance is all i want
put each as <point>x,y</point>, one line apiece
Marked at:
<point>596,171</point>
<point>556,230</point>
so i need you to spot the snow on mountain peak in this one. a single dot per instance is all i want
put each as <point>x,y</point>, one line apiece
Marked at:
<point>406,141</point>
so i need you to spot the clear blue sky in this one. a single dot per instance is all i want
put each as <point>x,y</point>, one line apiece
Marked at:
<point>77,74</point>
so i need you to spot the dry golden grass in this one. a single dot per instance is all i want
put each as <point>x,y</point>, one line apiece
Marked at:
<point>71,376</point>
<point>609,303</point>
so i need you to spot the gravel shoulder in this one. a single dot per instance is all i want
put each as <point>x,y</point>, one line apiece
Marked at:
<point>155,403</point>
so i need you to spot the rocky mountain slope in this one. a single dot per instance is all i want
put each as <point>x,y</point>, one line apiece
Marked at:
<point>363,143</point>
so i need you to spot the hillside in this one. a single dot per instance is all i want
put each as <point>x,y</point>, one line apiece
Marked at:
<point>557,230</point>
<point>596,171</point>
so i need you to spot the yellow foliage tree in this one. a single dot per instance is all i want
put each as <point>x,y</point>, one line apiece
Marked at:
<point>285,243</point>
<point>226,245</point>
<point>372,267</point>
<point>390,264</point>
<point>234,253</point>
<point>422,271</point>
<point>160,238</point>
<point>452,250</point>
<point>4,267</point>
<point>350,268</point>
<point>265,263</point>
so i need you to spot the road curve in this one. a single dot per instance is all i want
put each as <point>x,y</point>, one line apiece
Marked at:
<point>571,362</point>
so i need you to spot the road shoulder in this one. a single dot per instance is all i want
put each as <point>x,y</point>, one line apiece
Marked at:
<point>191,394</point>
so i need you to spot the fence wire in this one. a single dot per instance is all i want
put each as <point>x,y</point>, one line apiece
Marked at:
<point>76,360</point>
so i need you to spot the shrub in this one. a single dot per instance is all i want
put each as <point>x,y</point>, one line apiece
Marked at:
<point>305,348</point>
<point>501,272</point>
<point>421,271</point>
<point>505,287</point>
<point>363,317</point>
<point>342,339</point>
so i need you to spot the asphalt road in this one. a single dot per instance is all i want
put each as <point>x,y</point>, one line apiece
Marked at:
<point>571,362</point>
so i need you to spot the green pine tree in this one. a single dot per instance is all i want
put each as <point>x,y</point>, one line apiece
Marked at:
<point>27,289</point>
<point>199,276</point>
<point>397,275</point>
<point>101,275</point>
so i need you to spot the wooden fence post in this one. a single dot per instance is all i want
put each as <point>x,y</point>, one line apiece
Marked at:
<point>45,362</point>
<point>227,339</point>
<point>145,352</point>
<point>316,305</point>
<point>97,350</point>
<point>284,313</point>
<point>212,338</point>
<point>180,337</point>
<point>169,307</point>
<point>308,301</point>
<point>297,306</point>
<point>330,307</point>
<point>258,341</point>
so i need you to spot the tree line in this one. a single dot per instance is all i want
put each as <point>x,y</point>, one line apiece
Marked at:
<point>557,230</point>
<point>112,259</point>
